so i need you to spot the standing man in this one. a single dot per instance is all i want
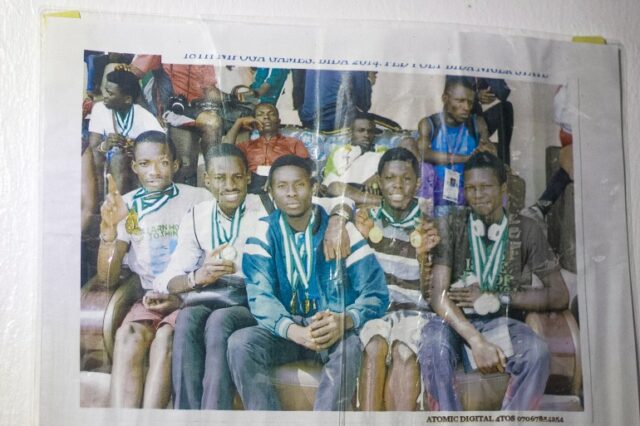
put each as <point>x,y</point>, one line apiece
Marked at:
<point>143,224</point>
<point>332,98</point>
<point>269,146</point>
<point>268,83</point>
<point>478,284</point>
<point>447,139</point>
<point>306,306</point>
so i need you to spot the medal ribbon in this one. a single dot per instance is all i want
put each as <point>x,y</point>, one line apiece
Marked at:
<point>145,202</point>
<point>407,222</point>
<point>297,273</point>
<point>487,269</point>
<point>218,234</point>
<point>124,124</point>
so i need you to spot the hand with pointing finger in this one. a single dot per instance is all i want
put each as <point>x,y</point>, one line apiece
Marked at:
<point>113,210</point>
<point>213,267</point>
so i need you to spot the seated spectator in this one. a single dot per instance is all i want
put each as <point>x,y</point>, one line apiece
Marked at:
<point>479,282</point>
<point>493,94</point>
<point>401,237</point>
<point>143,224</point>
<point>306,306</point>
<point>447,139</point>
<point>268,83</point>
<point>351,169</point>
<point>115,123</point>
<point>269,146</point>
<point>332,98</point>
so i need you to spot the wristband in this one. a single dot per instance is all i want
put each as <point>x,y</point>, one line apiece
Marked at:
<point>343,214</point>
<point>191,280</point>
<point>104,240</point>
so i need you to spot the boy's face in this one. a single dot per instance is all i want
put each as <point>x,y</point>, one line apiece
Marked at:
<point>227,179</point>
<point>154,165</point>
<point>114,98</point>
<point>292,190</point>
<point>398,183</point>
<point>484,193</point>
<point>362,133</point>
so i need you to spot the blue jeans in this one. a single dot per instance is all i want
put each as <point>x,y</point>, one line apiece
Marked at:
<point>254,351</point>
<point>528,367</point>
<point>200,374</point>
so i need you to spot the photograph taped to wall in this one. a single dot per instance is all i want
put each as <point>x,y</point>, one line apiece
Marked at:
<point>444,106</point>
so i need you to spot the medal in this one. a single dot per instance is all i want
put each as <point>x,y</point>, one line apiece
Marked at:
<point>487,303</point>
<point>375,235</point>
<point>299,260</point>
<point>229,253</point>
<point>131,224</point>
<point>487,259</point>
<point>415,239</point>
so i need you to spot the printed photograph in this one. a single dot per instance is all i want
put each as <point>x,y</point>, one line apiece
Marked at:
<point>325,239</point>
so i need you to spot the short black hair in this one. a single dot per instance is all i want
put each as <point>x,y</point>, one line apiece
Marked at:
<point>399,154</point>
<point>486,160</point>
<point>263,104</point>
<point>224,150</point>
<point>155,136</point>
<point>306,164</point>
<point>126,81</point>
<point>457,80</point>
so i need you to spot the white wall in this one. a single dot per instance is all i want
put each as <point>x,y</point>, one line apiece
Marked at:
<point>20,161</point>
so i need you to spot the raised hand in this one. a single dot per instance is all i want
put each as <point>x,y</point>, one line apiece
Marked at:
<point>336,244</point>
<point>363,222</point>
<point>113,210</point>
<point>429,236</point>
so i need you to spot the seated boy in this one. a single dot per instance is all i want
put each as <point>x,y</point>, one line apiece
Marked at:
<point>143,224</point>
<point>401,237</point>
<point>306,306</point>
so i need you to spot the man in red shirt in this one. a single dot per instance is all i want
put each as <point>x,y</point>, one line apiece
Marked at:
<point>269,146</point>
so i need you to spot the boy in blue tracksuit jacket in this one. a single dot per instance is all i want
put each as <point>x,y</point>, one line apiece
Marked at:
<point>305,306</point>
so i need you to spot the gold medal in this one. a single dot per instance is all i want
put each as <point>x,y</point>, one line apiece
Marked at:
<point>375,235</point>
<point>131,223</point>
<point>307,305</point>
<point>415,239</point>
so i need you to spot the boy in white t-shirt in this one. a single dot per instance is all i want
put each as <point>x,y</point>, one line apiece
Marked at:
<point>143,224</point>
<point>115,123</point>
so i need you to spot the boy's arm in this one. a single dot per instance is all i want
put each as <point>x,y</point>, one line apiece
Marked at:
<point>260,269</point>
<point>368,280</point>
<point>112,250</point>
<point>184,259</point>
